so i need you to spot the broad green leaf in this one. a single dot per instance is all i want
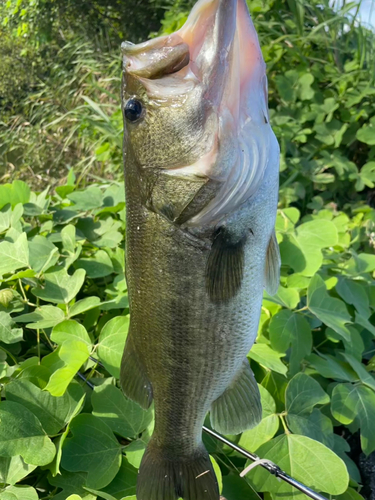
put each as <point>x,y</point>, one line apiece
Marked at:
<point>330,367</point>
<point>93,449</point>
<point>218,473</point>
<point>361,371</point>
<point>84,305</point>
<point>315,426</point>
<point>124,484</point>
<point>356,402</point>
<point>59,287</point>
<point>303,250</point>
<point>68,236</point>
<point>134,452</point>
<point>70,357</point>
<point>74,497</point>
<point>236,488</point>
<point>17,192</point>
<point>112,342</point>
<point>42,317</point>
<point>329,310</point>
<point>291,329</point>
<point>302,394</point>
<point>98,266</point>
<point>13,469</point>
<point>9,334</point>
<point>71,484</point>
<point>267,357</point>
<point>88,199</point>
<point>286,297</point>
<point>306,460</point>
<point>355,294</point>
<point>21,433</point>
<point>266,429</point>
<point>14,255</point>
<point>360,320</point>
<point>122,415</point>
<point>5,218</point>
<point>19,493</point>
<point>43,254</point>
<point>366,134</point>
<point>53,413</point>
<point>70,330</point>
<point>350,494</point>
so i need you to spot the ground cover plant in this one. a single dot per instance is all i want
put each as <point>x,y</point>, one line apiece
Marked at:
<point>63,297</point>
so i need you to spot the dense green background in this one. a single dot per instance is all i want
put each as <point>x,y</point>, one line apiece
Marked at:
<point>63,297</point>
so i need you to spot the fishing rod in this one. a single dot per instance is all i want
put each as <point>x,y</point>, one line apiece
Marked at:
<point>257,461</point>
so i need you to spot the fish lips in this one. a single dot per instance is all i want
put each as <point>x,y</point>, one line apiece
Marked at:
<point>218,43</point>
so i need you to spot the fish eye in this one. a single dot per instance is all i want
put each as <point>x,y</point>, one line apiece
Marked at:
<point>133,110</point>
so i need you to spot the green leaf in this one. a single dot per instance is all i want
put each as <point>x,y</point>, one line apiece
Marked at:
<point>14,255</point>
<point>122,415</point>
<point>17,192</point>
<point>59,287</point>
<point>308,461</point>
<point>355,294</point>
<point>13,469</point>
<point>266,429</point>
<point>70,330</point>
<point>43,254</point>
<point>74,497</point>
<point>361,371</point>
<point>21,433</point>
<point>5,218</point>
<point>124,483</point>
<point>9,334</point>
<point>112,342</point>
<point>19,493</point>
<point>42,317</point>
<point>302,394</point>
<point>71,483</point>
<point>286,297</point>
<point>235,488</point>
<point>330,367</point>
<point>88,199</point>
<point>352,402</point>
<point>67,360</point>
<point>302,251</point>
<point>315,426</point>
<point>267,357</point>
<point>93,449</point>
<point>53,413</point>
<point>366,134</point>
<point>98,266</point>
<point>291,329</point>
<point>329,310</point>
<point>84,305</point>
<point>68,236</point>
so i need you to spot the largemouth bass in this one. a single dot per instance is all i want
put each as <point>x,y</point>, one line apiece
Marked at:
<point>201,175</point>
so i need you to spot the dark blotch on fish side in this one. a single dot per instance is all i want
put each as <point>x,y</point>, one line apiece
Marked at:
<point>225,266</point>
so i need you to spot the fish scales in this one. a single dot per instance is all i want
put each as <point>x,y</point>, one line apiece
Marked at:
<point>200,244</point>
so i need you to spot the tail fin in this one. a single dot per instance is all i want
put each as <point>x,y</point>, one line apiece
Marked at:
<point>164,478</point>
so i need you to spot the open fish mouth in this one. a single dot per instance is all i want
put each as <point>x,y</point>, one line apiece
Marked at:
<point>217,51</point>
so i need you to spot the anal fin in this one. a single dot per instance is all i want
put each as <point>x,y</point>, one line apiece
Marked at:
<point>239,407</point>
<point>133,379</point>
<point>272,269</point>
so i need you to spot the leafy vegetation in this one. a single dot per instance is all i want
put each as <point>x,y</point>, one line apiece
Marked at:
<point>63,296</point>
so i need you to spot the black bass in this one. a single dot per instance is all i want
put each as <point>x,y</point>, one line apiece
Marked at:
<point>201,175</point>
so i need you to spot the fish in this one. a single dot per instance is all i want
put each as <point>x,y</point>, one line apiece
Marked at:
<point>201,179</point>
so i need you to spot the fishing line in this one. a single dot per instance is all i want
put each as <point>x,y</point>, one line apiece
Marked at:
<point>257,461</point>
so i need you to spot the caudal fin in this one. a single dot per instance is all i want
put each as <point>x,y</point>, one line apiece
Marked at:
<point>162,478</point>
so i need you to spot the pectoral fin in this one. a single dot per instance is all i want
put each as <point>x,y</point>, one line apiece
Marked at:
<point>239,407</point>
<point>272,269</point>
<point>133,379</point>
<point>225,266</point>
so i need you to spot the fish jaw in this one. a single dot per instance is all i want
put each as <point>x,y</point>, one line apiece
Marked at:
<point>213,67</point>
